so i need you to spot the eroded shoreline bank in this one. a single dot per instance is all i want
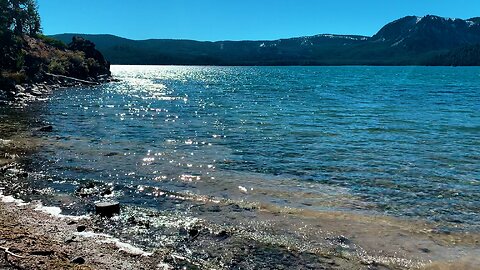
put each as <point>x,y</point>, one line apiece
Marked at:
<point>21,94</point>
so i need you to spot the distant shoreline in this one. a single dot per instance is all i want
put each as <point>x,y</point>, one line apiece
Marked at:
<point>408,41</point>
<point>379,66</point>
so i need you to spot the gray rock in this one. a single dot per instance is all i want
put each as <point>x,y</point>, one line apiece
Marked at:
<point>19,88</point>
<point>70,239</point>
<point>193,232</point>
<point>46,129</point>
<point>78,260</point>
<point>22,95</point>
<point>36,92</point>
<point>425,250</point>
<point>107,209</point>
<point>222,234</point>
<point>90,189</point>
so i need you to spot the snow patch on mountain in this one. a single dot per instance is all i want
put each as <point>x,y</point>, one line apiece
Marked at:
<point>342,37</point>
<point>471,23</point>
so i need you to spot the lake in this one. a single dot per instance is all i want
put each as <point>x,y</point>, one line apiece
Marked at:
<point>394,142</point>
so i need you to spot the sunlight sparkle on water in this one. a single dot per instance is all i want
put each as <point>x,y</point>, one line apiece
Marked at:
<point>365,138</point>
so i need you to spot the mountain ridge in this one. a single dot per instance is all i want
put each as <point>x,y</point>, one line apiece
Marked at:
<point>410,40</point>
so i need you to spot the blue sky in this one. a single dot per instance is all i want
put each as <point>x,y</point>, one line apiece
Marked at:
<point>237,19</point>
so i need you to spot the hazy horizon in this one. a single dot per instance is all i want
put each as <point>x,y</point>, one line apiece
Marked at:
<point>215,20</point>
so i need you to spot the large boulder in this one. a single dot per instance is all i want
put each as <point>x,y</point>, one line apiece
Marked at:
<point>100,66</point>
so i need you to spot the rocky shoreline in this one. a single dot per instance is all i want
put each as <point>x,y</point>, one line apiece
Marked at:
<point>36,240</point>
<point>21,93</point>
<point>39,237</point>
<point>41,241</point>
<point>47,64</point>
<point>213,234</point>
<point>46,239</point>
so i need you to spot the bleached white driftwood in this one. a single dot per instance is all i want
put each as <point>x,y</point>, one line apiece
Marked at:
<point>71,78</point>
<point>8,252</point>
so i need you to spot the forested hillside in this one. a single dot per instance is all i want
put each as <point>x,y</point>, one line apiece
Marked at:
<point>428,40</point>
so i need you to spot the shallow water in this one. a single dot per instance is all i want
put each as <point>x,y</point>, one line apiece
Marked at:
<point>366,165</point>
<point>401,141</point>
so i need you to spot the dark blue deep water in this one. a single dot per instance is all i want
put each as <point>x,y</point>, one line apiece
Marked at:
<point>403,141</point>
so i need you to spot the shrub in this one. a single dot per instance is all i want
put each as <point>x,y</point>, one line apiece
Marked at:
<point>52,42</point>
<point>17,77</point>
<point>57,66</point>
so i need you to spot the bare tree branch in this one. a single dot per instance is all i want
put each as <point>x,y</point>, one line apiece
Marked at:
<point>7,251</point>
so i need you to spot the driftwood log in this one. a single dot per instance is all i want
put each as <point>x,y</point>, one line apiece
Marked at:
<point>8,252</point>
<point>71,79</point>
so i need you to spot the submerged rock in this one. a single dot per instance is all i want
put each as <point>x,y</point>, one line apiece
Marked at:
<point>86,192</point>
<point>341,239</point>
<point>89,189</point>
<point>48,128</point>
<point>138,222</point>
<point>222,234</point>
<point>107,209</point>
<point>193,232</point>
<point>111,154</point>
<point>425,250</point>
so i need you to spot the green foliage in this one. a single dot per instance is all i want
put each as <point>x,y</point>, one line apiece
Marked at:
<point>463,56</point>
<point>19,60</point>
<point>68,63</point>
<point>20,16</point>
<point>94,62</point>
<point>26,54</point>
<point>5,18</point>
<point>52,41</point>
<point>315,50</point>
<point>16,77</point>
<point>57,66</point>
<point>32,18</point>
<point>10,50</point>
<point>17,18</point>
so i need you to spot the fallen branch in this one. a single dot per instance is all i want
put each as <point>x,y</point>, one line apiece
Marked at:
<point>8,252</point>
<point>72,79</point>
<point>175,256</point>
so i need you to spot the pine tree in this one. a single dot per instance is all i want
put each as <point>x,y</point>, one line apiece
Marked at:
<point>5,15</point>
<point>19,16</point>
<point>33,18</point>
